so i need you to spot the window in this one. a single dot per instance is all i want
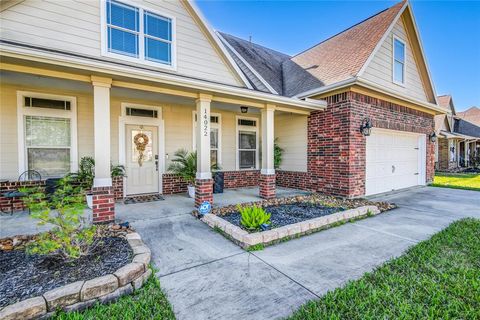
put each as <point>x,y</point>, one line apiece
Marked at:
<point>215,137</point>
<point>47,134</point>
<point>247,144</point>
<point>398,61</point>
<point>136,33</point>
<point>137,112</point>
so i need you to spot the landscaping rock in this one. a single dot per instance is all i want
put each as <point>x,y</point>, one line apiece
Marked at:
<point>27,309</point>
<point>134,239</point>
<point>269,236</point>
<point>140,249</point>
<point>128,273</point>
<point>143,258</point>
<point>63,296</point>
<point>98,287</point>
<point>128,289</point>
<point>82,305</point>
<point>138,283</point>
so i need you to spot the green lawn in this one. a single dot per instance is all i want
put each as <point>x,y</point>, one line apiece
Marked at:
<point>437,279</point>
<point>457,181</point>
<point>147,303</point>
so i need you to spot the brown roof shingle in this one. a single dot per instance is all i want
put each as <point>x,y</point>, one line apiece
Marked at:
<point>342,56</point>
<point>444,101</point>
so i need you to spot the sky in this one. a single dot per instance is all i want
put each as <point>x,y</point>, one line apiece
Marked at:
<point>450,33</point>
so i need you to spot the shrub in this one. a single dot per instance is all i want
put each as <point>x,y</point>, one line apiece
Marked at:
<point>86,172</point>
<point>253,217</point>
<point>277,154</point>
<point>184,164</point>
<point>68,239</point>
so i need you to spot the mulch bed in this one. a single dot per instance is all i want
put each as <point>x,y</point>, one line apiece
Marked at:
<point>282,215</point>
<point>24,276</point>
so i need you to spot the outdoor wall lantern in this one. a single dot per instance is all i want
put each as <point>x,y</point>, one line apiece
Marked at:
<point>433,137</point>
<point>366,127</point>
<point>243,109</point>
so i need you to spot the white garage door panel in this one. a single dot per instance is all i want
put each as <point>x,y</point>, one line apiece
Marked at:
<point>394,160</point>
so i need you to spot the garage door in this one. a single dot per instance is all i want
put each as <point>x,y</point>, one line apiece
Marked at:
<point>394,160</point>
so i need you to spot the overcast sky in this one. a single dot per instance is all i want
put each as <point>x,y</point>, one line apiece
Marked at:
<point>450,32</point>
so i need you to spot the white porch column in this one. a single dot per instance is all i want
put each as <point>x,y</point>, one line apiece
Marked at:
<point>268,137</point>
<point>465,153</point>
<point>101,116</point>
<point>203,136</point>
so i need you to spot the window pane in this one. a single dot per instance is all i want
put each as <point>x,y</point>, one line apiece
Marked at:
<point>157,51</point>
<point>247,159</point>
<point>122,15</point>
<point>157,26</point>
<point>50,162</point>
<point>247,140</point>
<point>213,157</point>
<point>399,51</point>
<point>47,103</point>
<point>122,42</point>
<point>47,131</point>
<point>398,72</point>
<point>214,138</point>
<point>246,122</point>
<point>135,112</point>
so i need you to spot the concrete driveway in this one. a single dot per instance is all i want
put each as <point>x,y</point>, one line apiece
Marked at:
<point>207,277</point>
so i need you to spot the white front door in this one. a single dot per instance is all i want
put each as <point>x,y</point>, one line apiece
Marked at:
<point>394,160</point>
<point>141,162</point>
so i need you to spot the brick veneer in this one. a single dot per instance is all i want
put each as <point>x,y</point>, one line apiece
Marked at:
<point>337,149</point>
<point>241,178</point>
<point>267,186</point>
<point>117,183</point>
<point>203,191</point>
<point>293,179</point>
<point>103,204</point>
<point>6,203</point>
<point>173,184</point>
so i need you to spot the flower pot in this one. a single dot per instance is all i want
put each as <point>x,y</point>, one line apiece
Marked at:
<point>89,198</point>
<point>191,191</point>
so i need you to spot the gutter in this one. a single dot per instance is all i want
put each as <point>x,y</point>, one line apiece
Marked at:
<point>43,56</point>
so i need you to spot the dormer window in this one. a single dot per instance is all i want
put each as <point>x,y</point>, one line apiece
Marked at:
<point>398,61</point>
<point>137,34</point>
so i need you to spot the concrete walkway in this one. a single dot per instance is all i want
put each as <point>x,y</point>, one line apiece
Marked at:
<point>207,277</point>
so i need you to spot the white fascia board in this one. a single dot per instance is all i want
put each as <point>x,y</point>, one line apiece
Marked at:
<point>262,80</point>
<point>320,90</point>
<point>166,78</point>
<point>212,33</point>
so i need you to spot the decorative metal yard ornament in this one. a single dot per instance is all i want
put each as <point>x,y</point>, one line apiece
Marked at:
<point>366,127</point>
<point>243,109</point>
<point>433,137</point>
<point>141,141</point>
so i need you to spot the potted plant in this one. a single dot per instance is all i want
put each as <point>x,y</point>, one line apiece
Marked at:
<point>184,164</point>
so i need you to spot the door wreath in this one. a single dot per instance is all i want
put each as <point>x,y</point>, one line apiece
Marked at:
<point>141,140</point>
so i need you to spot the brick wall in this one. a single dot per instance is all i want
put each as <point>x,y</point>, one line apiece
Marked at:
<point>293,179</point>
<point>337,149</point>
<point>443,154</point>
<point>117,183</point>
<point>103,204</point>
<point>203,191</point>
<point>173,184</point>
<point>267,186</point>
<point>241,179</point>
<point>6,203</point>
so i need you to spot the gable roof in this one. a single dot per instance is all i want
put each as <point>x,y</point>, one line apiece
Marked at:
<point>472,115</point>
<point>268,69</point>
<point>342,56</point>
<point>446,101</point>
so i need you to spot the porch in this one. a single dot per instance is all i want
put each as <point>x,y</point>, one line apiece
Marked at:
<point>103,116</point>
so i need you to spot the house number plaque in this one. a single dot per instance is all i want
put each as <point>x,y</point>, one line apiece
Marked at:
<point>205,123</point>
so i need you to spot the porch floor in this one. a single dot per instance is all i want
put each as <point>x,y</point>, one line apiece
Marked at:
<point>177,204</point>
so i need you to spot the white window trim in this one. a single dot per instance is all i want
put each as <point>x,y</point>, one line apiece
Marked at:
<point>212,126</point>
<point>255,129</point>
<point>22,111</point>
<point>403,84</point>
<point>158,122</point>
<point>141,59</point>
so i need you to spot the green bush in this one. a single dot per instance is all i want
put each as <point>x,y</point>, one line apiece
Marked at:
<point>277,154</point>
<point>86,172</point>
<point>184,164</point>
<point>253,217</point>
<point>69,238</point>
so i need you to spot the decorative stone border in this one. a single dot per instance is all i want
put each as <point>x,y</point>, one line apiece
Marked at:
<point>83,294</point>
<point>246,240</point>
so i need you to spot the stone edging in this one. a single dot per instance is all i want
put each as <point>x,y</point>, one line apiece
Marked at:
<point>247,240</point>
<point>83,294</point>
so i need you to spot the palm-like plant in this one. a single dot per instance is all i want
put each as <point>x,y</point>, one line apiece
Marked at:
<point>184,164</point>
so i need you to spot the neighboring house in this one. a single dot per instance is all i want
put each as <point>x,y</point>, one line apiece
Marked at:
<point>457,140</point>
<point>471,115</point>
<point>95,78</point>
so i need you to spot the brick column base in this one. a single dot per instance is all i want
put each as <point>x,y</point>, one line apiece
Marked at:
<point>203,191</point>
<point>103,204</point>
<point>267,186</point>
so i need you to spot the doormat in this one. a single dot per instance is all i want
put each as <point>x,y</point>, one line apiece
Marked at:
<point>143,198</point>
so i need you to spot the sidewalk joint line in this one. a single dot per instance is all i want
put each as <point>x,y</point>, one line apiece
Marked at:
<point>386,233</point>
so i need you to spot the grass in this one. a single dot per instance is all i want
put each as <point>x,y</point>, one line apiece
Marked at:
<point>147,303</point>
<point>436,279</point>
<point>457,181</point>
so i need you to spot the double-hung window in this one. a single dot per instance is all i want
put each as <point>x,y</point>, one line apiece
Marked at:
<point>47,128</point>
<point>398,61</point>
<point>133,32</point>
<point>215,137</point>
<point>247,143</point>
